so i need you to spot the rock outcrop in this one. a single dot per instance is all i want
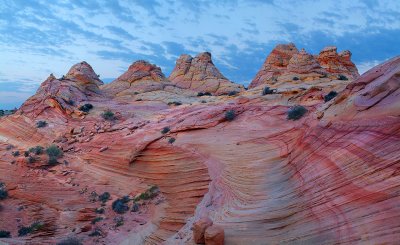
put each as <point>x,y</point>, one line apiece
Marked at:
<point>140,77</point>
<point>152,173</point>
<point>285,59</point>
<point>200,74</point>
<point>62,96</point>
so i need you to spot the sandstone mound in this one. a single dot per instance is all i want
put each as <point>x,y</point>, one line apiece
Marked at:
<point>201,75</point>
<point>140,77</point>
<point>154,173</point>
<point>64,95</point>
<point>286,60</point>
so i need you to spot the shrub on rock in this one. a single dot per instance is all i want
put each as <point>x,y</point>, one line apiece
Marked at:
<point>296,112</point>
<point>330,96</point>
<point>86,107</point>
<point>230,115</point>
<point>41,124</point>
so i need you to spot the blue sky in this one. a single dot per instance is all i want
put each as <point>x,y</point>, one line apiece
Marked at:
<point>39,37</point>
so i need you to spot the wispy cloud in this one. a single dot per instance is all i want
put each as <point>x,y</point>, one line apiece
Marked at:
<point>39,37</point>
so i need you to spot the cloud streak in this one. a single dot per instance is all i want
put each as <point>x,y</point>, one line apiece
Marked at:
<point>39,37</point>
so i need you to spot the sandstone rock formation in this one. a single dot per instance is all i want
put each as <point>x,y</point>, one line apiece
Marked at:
<point>285,59</point>
<point>330,177</point>
<point>199,228</point>
<point>201,75</point>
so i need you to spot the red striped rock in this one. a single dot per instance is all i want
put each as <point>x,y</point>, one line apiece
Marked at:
<point>200,74</point>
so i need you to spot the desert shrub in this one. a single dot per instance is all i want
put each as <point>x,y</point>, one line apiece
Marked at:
<point>31,159</point>
<point>230,115</point>
<point>203,101</point>
<point>342,77</point>
<point>296,112</point>
<point>38,150</point>
<point>199,94</point>
<point>104,197</point>
<point>86,107</point>
<point>296,78</point>
<point>330,96</point>
<point>120,205</point>
<point>5,234</point>
<point>36,226</point>
<point>119,221</point>
<point>232,93</point>
<point>135,207</point>
<point>176,103</point>
<point>267,90</point>
<point>148,194</point>
<point>171,140</point>
<point>54,153</point>
<point>108,115</point>
<point>165,130</point>
<point>96,232</point>
<point>70,102</point>
<point>15,153</point>
<point>207,94</point>
<point>3,193</point>
<point>97,219</point>
<point>41,124</point>
<point>70,241</point>
<point>26,153</point>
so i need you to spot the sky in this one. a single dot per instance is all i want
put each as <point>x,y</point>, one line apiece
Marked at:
<point>39,37</point>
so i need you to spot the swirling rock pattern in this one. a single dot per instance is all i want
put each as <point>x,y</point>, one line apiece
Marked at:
<point>331,177</point>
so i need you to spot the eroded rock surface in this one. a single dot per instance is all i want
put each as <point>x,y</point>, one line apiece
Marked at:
<point>330,177</point>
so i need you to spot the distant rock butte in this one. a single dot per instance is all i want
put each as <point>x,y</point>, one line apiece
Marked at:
<point>286,59</point>
<point>201,75</point>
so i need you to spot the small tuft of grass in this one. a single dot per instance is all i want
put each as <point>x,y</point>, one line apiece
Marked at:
<point>41,124</point>
<point>86,107</point>
<point>108,115</point>
<point>230,115</point>
<point>165,130</point>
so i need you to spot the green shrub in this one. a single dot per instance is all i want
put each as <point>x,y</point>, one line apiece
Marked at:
<point>232,93</point>
<point>3,193</point>
<point>165,130</point>
<point>104,197</point>
<point>176,103</point>
<point>171,140</point>
<point>70,102</point>
<point>26,153</point>
<point>230,115</point>
<point>54,153</point>
<point>199,94</point>
<point>70,241</point>
<point>38,150</point>
<point>36,226</point>
<point>342,77</point>
<point>15,153</point>
<point>31,159</point>
<point>120,205</point>
<point>296,78</point>
<point>296,112</point>
<point>5,234</point>
<point>96,232</point>
<point>86,107</point>
<point>41,124</point>
<point>119,221</point>
<point>1,113</point>
<point>108,115</point>
<point>330,96</point>
<point>97,219</point>
<point>267,90</point>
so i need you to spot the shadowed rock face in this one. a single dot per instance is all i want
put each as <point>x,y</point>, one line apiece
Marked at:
<point>285,59</point>
<point>201,75</point>
<point>330,177</point>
